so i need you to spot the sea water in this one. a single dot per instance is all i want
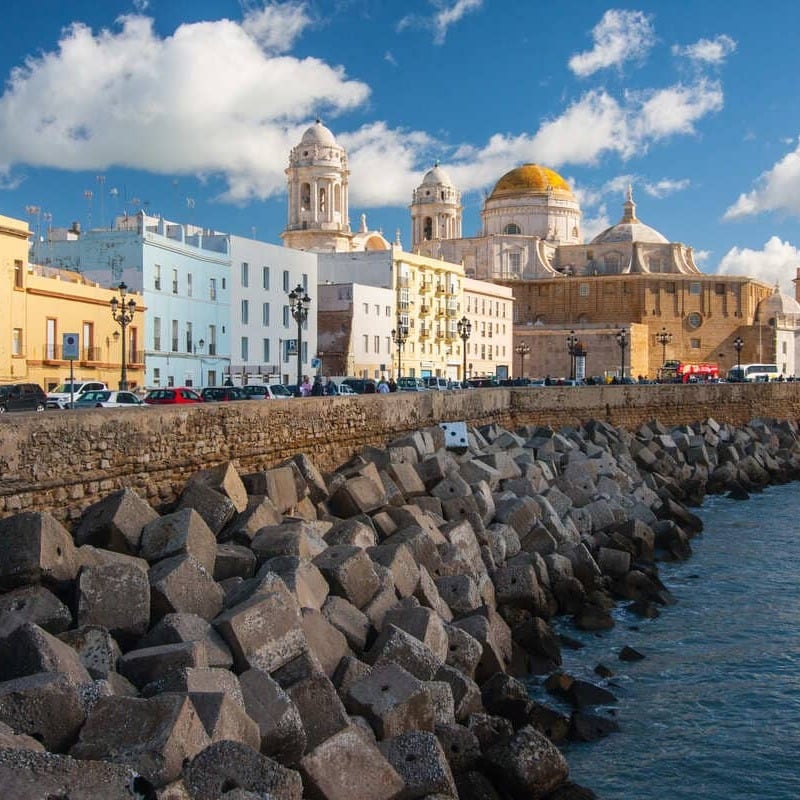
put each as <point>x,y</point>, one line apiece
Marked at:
<point>713,710</point>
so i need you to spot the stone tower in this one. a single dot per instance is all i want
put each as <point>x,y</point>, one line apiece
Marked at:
<point>435,209</point>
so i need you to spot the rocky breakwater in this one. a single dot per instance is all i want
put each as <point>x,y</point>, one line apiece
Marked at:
<point>362,634</point>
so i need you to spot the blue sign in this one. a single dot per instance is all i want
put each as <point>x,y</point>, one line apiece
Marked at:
<point>69,346</point>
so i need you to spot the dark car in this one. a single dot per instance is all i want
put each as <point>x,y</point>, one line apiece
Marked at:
<point>22,397</point>
<point>361,385</point>
<point>212,394</point>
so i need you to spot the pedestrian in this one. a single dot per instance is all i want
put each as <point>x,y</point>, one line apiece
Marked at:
<point>305,387</point>
<point>317,390</point>
<point>383,386</point>
<point>392,385</point>
<point>329,389</point>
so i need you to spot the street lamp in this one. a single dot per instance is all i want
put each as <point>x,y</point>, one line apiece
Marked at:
<point>399,336</point>
<point>663,337</point>
<point>122,314</point>
<point>572,344</point>
<point>464,327</point>
<point>299,303</point>
<point>522,350</point>
<point>622,341</point>
<point>738,344</point>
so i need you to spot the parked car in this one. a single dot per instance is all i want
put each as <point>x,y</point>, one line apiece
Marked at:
<point>344,388</point>
<point>271,391</point>
<point>65,393</point>
<point>406,384</point>
<point>22,397</point>
<point>175,395</point>
<point>436,383</point>
<point>108,398</point>
<point>361,385</point>
<point>218,394</point>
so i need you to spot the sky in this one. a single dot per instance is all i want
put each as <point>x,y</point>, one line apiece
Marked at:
<point>189,110</point>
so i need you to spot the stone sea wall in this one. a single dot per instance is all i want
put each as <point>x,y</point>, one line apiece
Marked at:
<point>62,462</point>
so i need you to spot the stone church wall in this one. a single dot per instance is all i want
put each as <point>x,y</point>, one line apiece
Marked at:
<point>64,461</point>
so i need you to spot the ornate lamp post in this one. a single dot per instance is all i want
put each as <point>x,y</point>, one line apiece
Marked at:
<point>622,341</point>
<point>663,337</point>
<point>122,313</point>
<point>738,344</point>
<point>399,336</point>
<point>464,327</point>
<point>299,303</point>
<point>522,350</point>
<point>572,344</point>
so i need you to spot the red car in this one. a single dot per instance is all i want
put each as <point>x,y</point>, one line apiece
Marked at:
<point>172,396</point>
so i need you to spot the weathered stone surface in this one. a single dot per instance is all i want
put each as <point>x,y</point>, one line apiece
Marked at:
<point>153,736</point>
<point>225,720</point>
<point>422,623</point>
<point>147,664</point>
<point>197,680</point>
<point>234,561</point>
<point>489,628</point>
<point>357,531</point>
<point>35,548</point>
<point>116,597</point>
<point>260,513</point>
<point>96,648</point>
<point>35,604</point>
<point>263,631</point>
<point>302,578</point>
<point>358,495</point>
<point>181,584</point>
<point>428,595</point>
<point>460,747</point>
<point>182,627</point>
<point>115,522</point>
<point>528,764</point>
<point>326,642</point>
<point>329,769</point>
<point>350,621</point>
<point>290,538</point>
<point>396,646</point>
<point>461,594</point>
<point>466,693</point>
<point>284,485</point>
<point>349,573</point>
<point>421,763</point>
<point>28,650</point>
<point>216,508</point>
<point>399,560</point>
<point>518,586</point>
<point>179,533</point>
<point>320,707</point>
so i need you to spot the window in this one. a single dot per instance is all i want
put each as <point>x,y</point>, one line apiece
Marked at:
<point>174,336</point>
<point>377,344</point>
<point>694,320</point>
<point>388,344</point>
<point>244,348</point>
<point>695,344</point>
<point>157,277</point>
<point>286,316</point>
<point>245,312</point>
<point>265,314</point>
<point>212,289</point>
<point>156,376</point>
<point>583,290</point>
<point>245,273</point>
<point>156,333</point>
<point>377,310</point>
<point>174,281</point>
<point>265,351</point>
<point>366,308</point>
<point>694,287</point>
<point>305,283</point>
<point>265,277</point>
<point>670,288</point>
<point>16,342</point>
<point>189,284</point>
<point>189,342</point>
<point>304,352</point>
<point>18,273</point>
<point>286,280</point>
<point>512,229</point>
<point>719,288</point>
<point>366,343</point>
<point>88,342</point>
<point>212,340</point>
<point>389,310</point>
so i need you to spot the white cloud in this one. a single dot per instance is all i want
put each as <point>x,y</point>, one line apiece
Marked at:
<point>445,16</point>
<point>707,51</point>
<point>212,98</point>
<point>665,187</point>
<point>389,56</point>
<point>701,257</point>
<point>776,262</point>
<point>778,189</point>
<point>620,36</point>
<point>675,109</point>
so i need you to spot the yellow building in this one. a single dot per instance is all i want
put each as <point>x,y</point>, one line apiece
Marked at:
<point>43,305</point>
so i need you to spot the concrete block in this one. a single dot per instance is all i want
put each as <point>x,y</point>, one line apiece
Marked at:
<point>182,584</point>
<point>233,561</point>
<point>354,531</point>
<point>115,522</point>
<point>484,501</point>
<point>451,487</point>
<point>197,680</point>
<point>504,696</point>
<point>182,627</point>
<point>613,562</point>
<point>216,509</point>
<point>476,471</point>
<point>320,707</point>
<point>421,763</point>
<point>260,513</point>
<point>434,468</point>
<point>117,597</point>
<point>528,765</point>
<point>358,495</point>
<point>155,736</point>
<point>349,671</point>
<point>460,746</point>
<point>179,533</point>
<point>326,642</point>
<point>463,650</point>
<point>517,585</point>
<point>349,573</point>
<point>225,719</point>
<point>314,480</point>
<point>461,594</point>
<point>352,623</point>
<point>406,478</point>
<point>302,578</point>
<point>399,560</point>
<point>224,766</point>
<point>466,693</point>
<point>35,604</point>
<point>148,664</point>
<point>35,548</point>
<point>422,544</point>
<point>521,513</point>
<point>284,485</point>
<point>47,706</point>
<point>263,631</point>
<point>225,480</point>
<point>424,624</point>
<point>28,650</point>
<point>395,645</point>
<point>96,647</point>
<point>442,701</point>
<point>291,538</point>
<point>329,769</point>
<point>428,595</point>
<point>392,700</point>
<point>281,730</point>
<point>489,729</point>
<point>489,628</point>
<point>384,600</point>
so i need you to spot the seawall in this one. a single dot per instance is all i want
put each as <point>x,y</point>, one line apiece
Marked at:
<point>62,462</point>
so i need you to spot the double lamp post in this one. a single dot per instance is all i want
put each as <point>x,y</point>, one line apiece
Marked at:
<point>122,313</point>
<point>299,305</point>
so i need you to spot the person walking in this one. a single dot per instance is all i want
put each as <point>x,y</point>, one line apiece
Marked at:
<point>383,386</point>
<point>392,385</point>
<point>317,390</point>
<point>305,387</point>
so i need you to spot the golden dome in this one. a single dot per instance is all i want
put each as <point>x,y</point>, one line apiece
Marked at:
<point>529,179</point>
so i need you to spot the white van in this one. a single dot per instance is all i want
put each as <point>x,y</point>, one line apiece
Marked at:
<point>432,382</point>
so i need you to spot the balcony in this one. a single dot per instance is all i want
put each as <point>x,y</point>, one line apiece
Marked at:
<point>91,354</point>
<point>425,287</point>
<point>439,333</point>
<point>453,309</point>
<point>440,289</point>
<point>424,310</point>
<point>440,312</point>
<point>402,283</point>
<point>424,332</point>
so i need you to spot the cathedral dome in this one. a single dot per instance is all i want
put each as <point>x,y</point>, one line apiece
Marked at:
<point>629,228</point>
<point>318,134</point>
<point>527,180</point>
<point>436,176</point>
<point>777,304</point>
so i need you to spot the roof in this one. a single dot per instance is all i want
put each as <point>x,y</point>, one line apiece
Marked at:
<point>529,179</point>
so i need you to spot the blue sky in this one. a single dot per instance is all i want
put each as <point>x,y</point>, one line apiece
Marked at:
<point>189,109</point>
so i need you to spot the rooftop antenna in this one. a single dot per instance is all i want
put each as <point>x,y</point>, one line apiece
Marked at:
<point>89,194</point>
<point>101,182</point>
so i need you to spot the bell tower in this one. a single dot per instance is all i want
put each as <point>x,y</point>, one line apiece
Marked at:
<point>435,209</point>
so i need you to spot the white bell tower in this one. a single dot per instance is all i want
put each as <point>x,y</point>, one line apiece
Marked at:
<point>435,209</point>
